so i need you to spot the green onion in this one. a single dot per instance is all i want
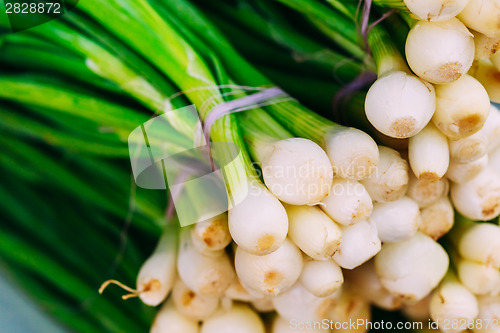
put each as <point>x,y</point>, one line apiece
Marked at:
<point>395,88</point>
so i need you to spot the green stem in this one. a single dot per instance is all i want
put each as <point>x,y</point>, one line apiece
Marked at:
<point>345,8</point>
<point>385,52</point>
<point>341,29</point>
<point>34,91</point>
<point>79,144</point>
<point>332,33</point>
<point>266,21</point>
<point>51,60</point>
<point>105,64</point>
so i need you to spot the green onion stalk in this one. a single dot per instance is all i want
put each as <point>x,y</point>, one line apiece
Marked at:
<point>264,24</point>
<point>396,85</point>
<point>65,280</point>
<point>338,27</point>
<point>432,11</point>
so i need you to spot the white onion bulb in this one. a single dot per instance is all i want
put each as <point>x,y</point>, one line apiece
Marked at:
<point>479,278</point>
<point>206,275</point>
<point>489,76</point>
<point>489,314</point>
<point>212,234</point>
<point>259,223</point>
<point>462,107</point>
<point>399,104</point>
<point>481,243</point>
<point>419,311</point>
<point>494,161</point>
<point>299,304</point>
<point>350,307</point>
<point>157,275</point>
<point>364,281</point>
<point>321,278</point>
<point>426,192</point>
<point>452,302</point>
<point>491,128</point>
<point>237,292</point>
<point>469,148</point>
<point>435,10</point>
<point>440,52</point>
<point>437,218</point>
<point>485,46</point>
<point>169,320</point>
<point>193,305</point>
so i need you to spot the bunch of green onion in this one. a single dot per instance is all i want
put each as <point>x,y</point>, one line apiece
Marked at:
<point>345,208</point>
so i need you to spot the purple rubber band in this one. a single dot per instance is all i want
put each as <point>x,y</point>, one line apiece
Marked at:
<point>237,105</point>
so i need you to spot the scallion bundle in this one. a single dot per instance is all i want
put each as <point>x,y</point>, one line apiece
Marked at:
<point>381,143</point>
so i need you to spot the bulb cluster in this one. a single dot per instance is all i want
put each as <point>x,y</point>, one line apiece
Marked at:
<point>339,223</point>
